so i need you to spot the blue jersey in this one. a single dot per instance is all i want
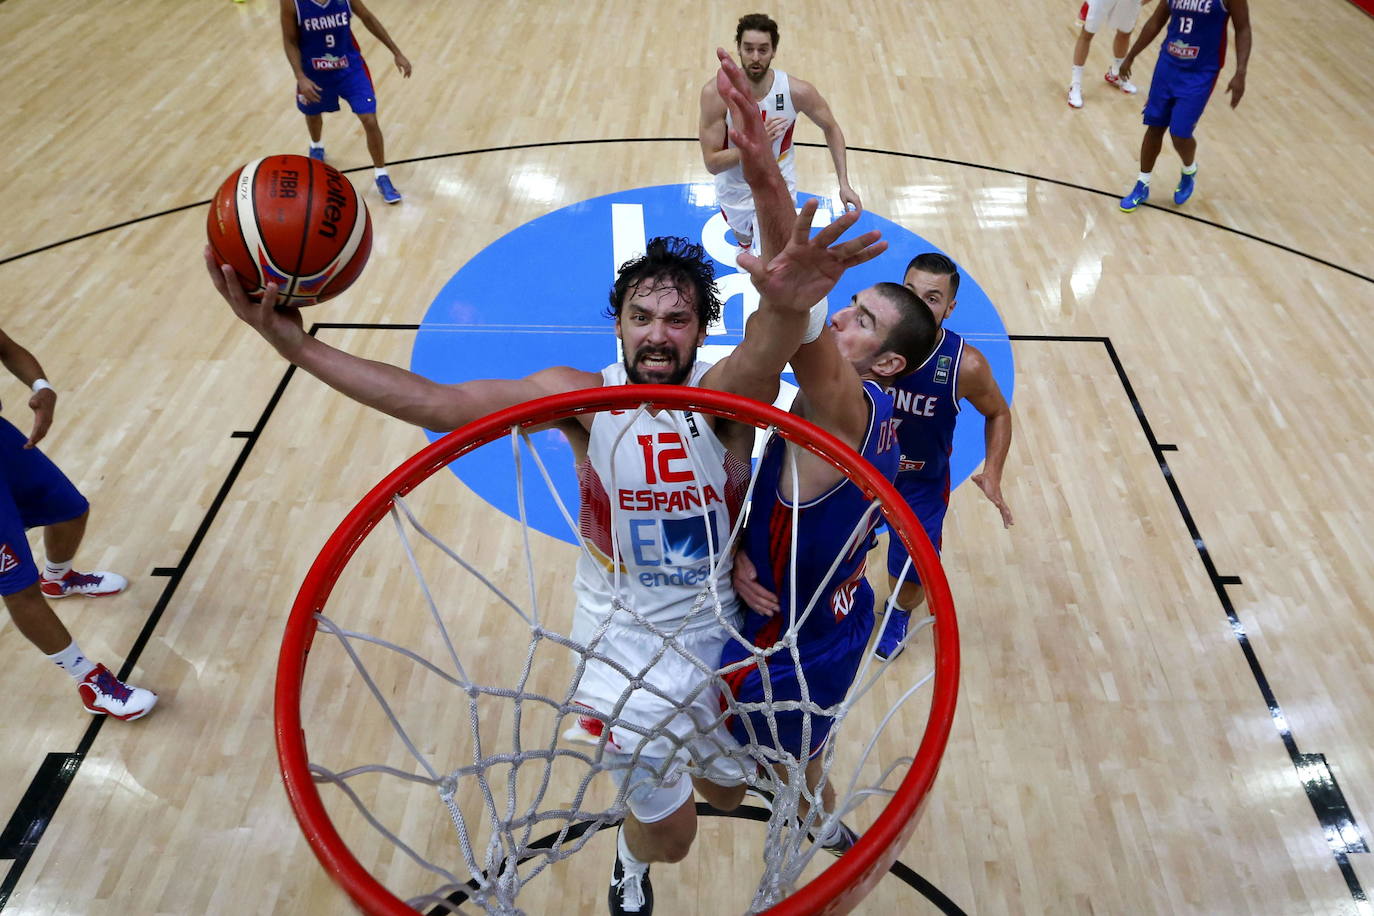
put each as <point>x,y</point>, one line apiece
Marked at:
<point>825,525</point>
<point>925,406</point>
<point>1196,39</point>
<point>832,637</point>
<point>325,34</point>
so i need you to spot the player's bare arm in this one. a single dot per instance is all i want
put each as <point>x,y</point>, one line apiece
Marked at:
<point>374,25</point>
<point>794,280</point>
<point>1152,27</point>
<point>290,39</point>
<point>24,366</point>
<point>711,132</point>
<point>382,386</point>
<point>1240,21</point>
<point>810,103</point>
<point>977,385</point>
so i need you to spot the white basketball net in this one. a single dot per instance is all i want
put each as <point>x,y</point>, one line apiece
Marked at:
<point>517,795</point>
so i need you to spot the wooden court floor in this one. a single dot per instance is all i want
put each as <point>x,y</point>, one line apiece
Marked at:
<point>1165,700</point>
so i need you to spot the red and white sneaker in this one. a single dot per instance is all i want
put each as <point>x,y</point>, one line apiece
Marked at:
<point>1124,85</point>
<point>92,585</point>
<point>106,695</point>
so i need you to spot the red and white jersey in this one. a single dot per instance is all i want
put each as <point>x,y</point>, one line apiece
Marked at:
<point>659,497</point>
<point>777,103</point>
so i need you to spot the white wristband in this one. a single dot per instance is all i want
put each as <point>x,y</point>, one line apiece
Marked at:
<point>40,384</point>
<point>820,313</point>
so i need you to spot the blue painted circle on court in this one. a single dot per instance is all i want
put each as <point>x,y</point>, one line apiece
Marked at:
<point>536,297</point>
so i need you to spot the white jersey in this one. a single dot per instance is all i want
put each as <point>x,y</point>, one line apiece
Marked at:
<point>660,495</point>
<point>777,103</point>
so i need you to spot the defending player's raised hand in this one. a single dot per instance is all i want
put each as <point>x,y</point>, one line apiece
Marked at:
<point>745,579</point>
<point>992,489</point>
<point>809,267</point>
<point>43,403</point>
<point>748,132</point>
<point>281,327</point>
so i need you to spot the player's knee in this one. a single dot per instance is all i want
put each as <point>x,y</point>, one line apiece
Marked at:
<point>722,798</point>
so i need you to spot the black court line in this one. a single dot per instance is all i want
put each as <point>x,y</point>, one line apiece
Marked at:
<point>1333,813</point>
<point>36,808</point>
<point>20,837</point>
<point>901,871</point>
<point>552,144</point>
<point>1320,784</point>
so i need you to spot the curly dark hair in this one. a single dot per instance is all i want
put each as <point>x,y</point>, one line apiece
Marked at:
<point>677,262</point>
<point>757,22</point>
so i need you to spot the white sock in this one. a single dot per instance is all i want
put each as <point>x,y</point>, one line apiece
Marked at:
<point>378,173</point>
<point>53,570</point>
<point>317,144</point>
<point>627,858</point>
<point>73,661</point>
<point>1190,169</point>
<point>1116,65</point>
<point>1144,177</point>
<point>1078,76</point>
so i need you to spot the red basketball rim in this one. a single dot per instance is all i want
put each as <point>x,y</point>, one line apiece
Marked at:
<point>836,890</point>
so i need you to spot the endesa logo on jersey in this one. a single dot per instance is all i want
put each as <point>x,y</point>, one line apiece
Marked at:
<point>495,319</point>
<point>682,549</point>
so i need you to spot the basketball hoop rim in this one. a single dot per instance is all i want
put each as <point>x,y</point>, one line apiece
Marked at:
<point>835,890</point>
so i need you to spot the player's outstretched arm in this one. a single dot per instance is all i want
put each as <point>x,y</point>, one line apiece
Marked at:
<point>382,386</point>
<point>774,207</point>
<point>1152,27</point>
<point>810,103</point>
<point>977,384</point>
<point>24,366</point>
<point>799,276</point>
<point>290,39</point>
<point>374,25</point>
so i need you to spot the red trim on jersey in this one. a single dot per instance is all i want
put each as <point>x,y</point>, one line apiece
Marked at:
<point>594,522</point>
<point>779,541</point>
<point>787,139</point>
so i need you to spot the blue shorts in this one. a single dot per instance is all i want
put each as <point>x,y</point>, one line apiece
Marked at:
<point>829,667</point>
<point>928,497</point>
<point>1177,97</point>
<point>353,83</point>
<point>33,493</point>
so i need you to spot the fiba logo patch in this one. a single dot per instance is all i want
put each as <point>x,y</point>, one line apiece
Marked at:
<point>535,298</point>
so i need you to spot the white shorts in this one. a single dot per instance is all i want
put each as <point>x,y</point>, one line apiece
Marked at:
<point>1118,14</point>
<point>680,703</point>
<point>678,700</point>
<point>658,786</point>
<point>736,201</point>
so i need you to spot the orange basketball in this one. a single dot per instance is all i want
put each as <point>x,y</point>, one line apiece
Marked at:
<point>294,221</point>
